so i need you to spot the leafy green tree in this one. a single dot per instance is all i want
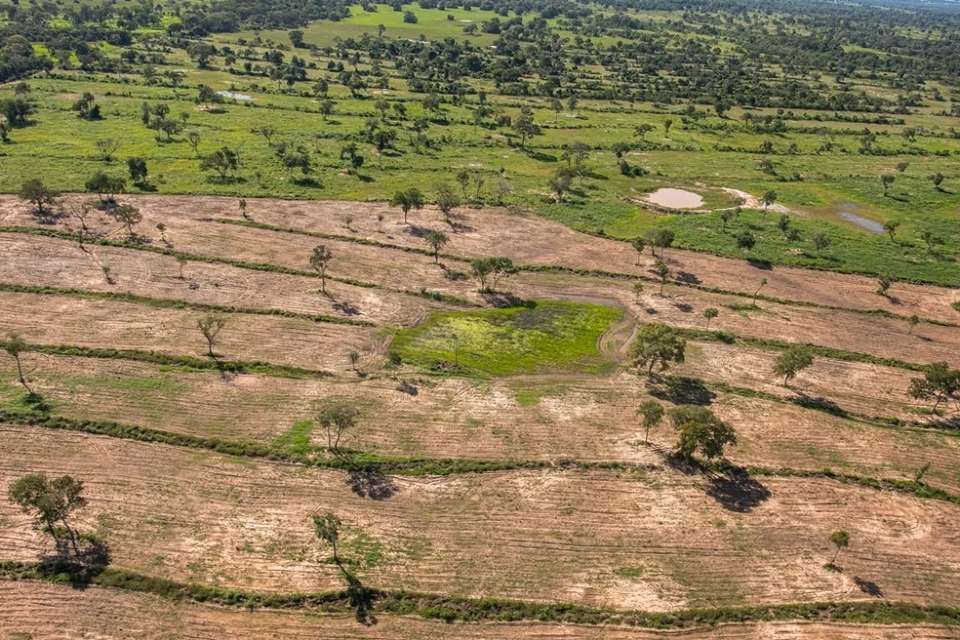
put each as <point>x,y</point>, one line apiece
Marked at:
<point>224,161</point>
<point>642,130</point>
<point>767,199</point>
<point>657,343</point>
<point>638,244</point>
<point>746,240</point>
<point>319,261</point>
<point>939,383</point>
<point>38,193</point>
<point>525,127</point>
<point>930,240</point>
<point>127,215</point>
<point>792,361</point>
<point>886,180</point>
<point>663,272</point>
<point>820,241</point>
<point>436,240</point>
<point>638,289</point>
<point>327,529</point>
<point>17,111</point>
<point>937,180</point>
<point>51,502</point>
<point>107,147</point>
<point>138,170</point>
<point>463,178</point>
<point>710,313</point>
<point>14,346</point>
<point>210,326</point>
<point>337,418</point>
<point>652,413</point>
<point>105,186</point>
<point>841,540</point>
<point>409,199</point>
<point>890,226</point>
<point>698,429</point>
<point>447,200</point>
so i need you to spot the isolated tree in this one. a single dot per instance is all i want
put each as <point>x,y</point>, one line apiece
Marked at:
<point>436,240</point>
<point>242,205</point>
<point>746,240</point>
<point>890,226</point>
<point>767,199</point>
<point>657,343</point>
<point>210,326</point>
<point>725,216</point>
<point>666,127</point>
<point>638,289</point>
<point>820,241</point>
<point>14,346</point>
<point>447,200</point>
<point>193,139</point>
<point>319,260</point>
<point>502,188</point>
<point>642,130</point>
<point>337,418</point>
<point>224,161</point>
<point>841,540</point>
<point>51,502</point>
<point>406,200</point>
<point>930,240</point>
<point>939,383</point>
<point>884,280</point>
<point>463,178</point>
<point>763,283</point>
<point>525,127</point>
<point>327,107</point>
<point>652,413</point>
<point>902,166</point>
<point>127,215</point>
<point>937,180</point>
<point>639,245</point>
<point>38,193</point>
<point>913,321</point>
<point>886,180</point>
<point>354,357</point>
<point>105,186</point>
<point>710,313</point>
<point>327,529</point>
<point>181,262</point>
<point>663,272</point>
<point>661,238</point>
<point>107,147</point>
<point>789,363</point>
<point>698,429</point>
<point>138,170</point>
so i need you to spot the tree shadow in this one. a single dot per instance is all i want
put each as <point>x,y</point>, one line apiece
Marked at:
<point>684,307</point>
<point>417,231</point>
<point>683,390</point>
<point>819,404</point>
<point>347,308</point>
<point>868,587</point>
<point>757,263</point>
<point>36,402</point>
<point>539,156</point>
<point>502,299</point>
<point>79,568</point>
<point>737,491</point>
<point>408,388</point>
<point>371,483</point>
<point>225,180</point>
<point>687,277</point>
<point>361,599</point>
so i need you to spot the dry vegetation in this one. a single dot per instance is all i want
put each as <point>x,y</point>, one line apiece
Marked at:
<point>646,535</point>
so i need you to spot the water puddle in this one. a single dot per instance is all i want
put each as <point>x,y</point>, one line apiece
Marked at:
<point>235,96</point>
<point>675,199</point>
<point>864,223</point>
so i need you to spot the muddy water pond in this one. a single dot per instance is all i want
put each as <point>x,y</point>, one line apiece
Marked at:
<point>675,199</point>
<point>847,213</point>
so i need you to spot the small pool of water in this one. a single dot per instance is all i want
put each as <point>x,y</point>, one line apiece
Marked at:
<point>865,223</point>
<point>235,96</point>
<point>675,199</point>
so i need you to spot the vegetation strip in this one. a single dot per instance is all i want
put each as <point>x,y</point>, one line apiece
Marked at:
<point>170,359</point>
<point>454,609</point>
<point>779,345</point>
<point>175,303</point>
<point>584,272</point>
<point>194,257</point>
<point>361,462</point>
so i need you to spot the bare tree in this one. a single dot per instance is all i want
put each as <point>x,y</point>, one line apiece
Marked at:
<point>210,326</point>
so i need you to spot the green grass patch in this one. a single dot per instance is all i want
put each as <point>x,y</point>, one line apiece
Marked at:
<point>629,572</point>
<point>296,440</point>
<point>539,337</point>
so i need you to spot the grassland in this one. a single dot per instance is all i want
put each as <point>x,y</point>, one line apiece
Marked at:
<point>512,341</point>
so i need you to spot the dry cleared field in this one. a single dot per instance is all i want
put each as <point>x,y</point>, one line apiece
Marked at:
<point>551,525</point>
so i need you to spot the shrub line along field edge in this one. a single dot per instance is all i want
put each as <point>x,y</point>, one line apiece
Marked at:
<point>360,462</point>
<point>366,600</point>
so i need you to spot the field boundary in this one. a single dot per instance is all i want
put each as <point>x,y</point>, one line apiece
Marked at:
<point>365,600</point>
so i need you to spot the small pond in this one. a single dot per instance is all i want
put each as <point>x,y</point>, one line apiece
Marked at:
<point>234,95</point>
<point>675,199</point>
<point>865,223</point>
